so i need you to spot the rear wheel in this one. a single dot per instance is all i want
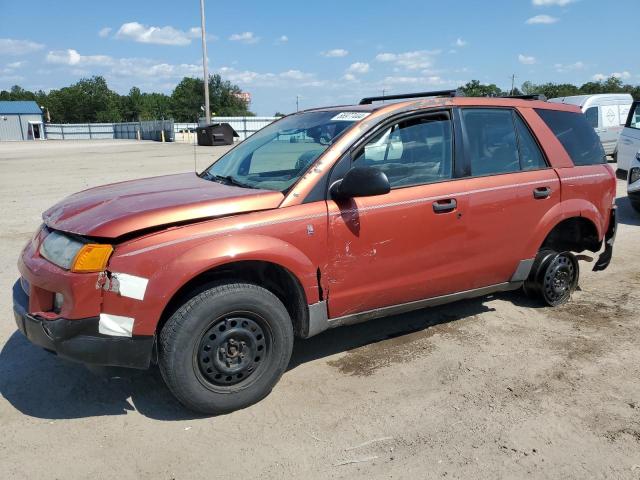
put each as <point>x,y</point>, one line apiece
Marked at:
<point>226,348</point>
<point>554,276</point>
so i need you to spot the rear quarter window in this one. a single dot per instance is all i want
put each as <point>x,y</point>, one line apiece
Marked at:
<point>577,137</point>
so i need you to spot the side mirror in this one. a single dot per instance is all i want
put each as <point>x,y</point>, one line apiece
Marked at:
<point>361,182</point>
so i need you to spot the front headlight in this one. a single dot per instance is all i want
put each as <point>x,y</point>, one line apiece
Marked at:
<point>75,255</point>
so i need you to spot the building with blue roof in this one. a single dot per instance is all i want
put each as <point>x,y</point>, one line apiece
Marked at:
<point>21,120</point>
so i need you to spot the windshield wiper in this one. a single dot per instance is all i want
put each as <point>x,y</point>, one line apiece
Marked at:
<point>228,180</point>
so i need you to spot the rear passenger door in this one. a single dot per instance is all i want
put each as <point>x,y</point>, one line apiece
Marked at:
<point>511,188</point>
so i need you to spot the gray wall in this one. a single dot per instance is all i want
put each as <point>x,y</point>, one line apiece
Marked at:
<point>16,127</point>
<point>149,130</point>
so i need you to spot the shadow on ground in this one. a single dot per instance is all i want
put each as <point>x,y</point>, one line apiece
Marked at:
<point>42,385</point>
<point>626,214</point>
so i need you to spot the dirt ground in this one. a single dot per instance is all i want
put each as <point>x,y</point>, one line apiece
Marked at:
<point>488,388</point>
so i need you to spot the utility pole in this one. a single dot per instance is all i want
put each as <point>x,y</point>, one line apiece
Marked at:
<point>513,83</point>
<point>297,103</point>
<point>207,108</point>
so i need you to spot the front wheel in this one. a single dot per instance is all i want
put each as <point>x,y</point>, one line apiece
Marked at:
<point>226,348</point>
<point>554,276</point>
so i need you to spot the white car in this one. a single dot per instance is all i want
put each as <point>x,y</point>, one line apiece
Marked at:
<point>629,143</point>
<point>633,182</point>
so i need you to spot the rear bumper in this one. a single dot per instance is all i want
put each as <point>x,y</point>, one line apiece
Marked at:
<point>79,340</point>
<point>605,257</point>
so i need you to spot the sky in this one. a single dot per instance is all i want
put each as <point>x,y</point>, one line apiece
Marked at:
<point>323,53</point>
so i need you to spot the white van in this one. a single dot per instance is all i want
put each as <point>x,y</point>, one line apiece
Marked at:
<point>629,145</point>
<point>606,112</point>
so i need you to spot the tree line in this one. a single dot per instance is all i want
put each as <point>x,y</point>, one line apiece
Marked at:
<point>90,100</point>
<point>552,90</point>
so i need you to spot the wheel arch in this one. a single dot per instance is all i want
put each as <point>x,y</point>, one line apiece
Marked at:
<point>573,234</point>
<point>274,277</point>
<point>563,219</point>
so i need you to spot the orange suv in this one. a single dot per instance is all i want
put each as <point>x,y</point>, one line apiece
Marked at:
<point>324,218</point>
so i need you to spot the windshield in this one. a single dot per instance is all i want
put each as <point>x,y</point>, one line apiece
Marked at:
<point>276,156</point>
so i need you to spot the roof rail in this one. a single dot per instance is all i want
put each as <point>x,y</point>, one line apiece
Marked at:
<point>438,93</point>
<point>535,96</point>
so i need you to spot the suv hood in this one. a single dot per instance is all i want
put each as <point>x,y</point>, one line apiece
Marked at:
<point>114,210</point>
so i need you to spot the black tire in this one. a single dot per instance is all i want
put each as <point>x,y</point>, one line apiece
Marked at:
<point>554,277</point>
<point>225,348</point>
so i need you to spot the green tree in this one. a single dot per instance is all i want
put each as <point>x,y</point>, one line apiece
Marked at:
<point>476,89</point>
<point>188,98</point>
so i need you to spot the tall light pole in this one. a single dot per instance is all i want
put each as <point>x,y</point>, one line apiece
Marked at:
<point>207,109</point>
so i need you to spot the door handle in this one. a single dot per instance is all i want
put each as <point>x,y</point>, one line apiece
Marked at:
<point>542,192</point>
<point>444,206</point>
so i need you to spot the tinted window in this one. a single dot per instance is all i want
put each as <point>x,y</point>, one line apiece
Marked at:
<point>491,141</point>
<point>531,157</point>
<point>412,152</point>
<point>592,116</point>
<point>634,117</point>
<point>578,138</point>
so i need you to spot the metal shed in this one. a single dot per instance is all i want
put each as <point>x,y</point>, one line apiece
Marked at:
<point>21,120</point>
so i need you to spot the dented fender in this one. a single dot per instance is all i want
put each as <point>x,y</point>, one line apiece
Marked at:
<point>170,267</point>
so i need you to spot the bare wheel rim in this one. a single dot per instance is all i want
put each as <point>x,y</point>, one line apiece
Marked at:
<point>559,278</point>
<point>233,349</point>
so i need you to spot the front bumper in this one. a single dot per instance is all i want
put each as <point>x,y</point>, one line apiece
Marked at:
<point>605,257</point>
<point>79,340</point>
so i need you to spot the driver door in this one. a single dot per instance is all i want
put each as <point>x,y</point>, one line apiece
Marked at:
<point>403,246</point>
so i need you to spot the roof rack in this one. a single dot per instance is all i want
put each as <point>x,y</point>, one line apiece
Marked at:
<point>535,96</point>
<point>438,93</point>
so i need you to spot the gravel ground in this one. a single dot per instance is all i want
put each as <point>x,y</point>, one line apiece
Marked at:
<point>488,388</point>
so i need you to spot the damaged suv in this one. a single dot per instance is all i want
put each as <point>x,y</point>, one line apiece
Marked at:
<point>327,217</point>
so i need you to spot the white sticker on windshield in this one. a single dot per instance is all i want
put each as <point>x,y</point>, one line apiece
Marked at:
<point>350,116</point>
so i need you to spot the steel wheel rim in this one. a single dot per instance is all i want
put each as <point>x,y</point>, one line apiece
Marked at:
<point>232,350</point>
<point>559,278</point>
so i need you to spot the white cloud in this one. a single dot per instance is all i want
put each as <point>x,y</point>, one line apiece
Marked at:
<point>571,67</point>
<point>350,77</point>
<point>359,67</point>
<point>283,39</point>
<point>147,68</point>
<point>599,77</point>
<point>244,37</point>
<point>335,53</point>
<point>460,43</point>
<point>296,75</point>
<point>104,32</point>
<point>14,65</point>
<point>526,60</point>
<point>552,3</point>
<point>415,60</point>
<point>71,57</point>
<point>10,46</point>
<point>268,79</point>
<point>157,35</point>
<point>542,20</point>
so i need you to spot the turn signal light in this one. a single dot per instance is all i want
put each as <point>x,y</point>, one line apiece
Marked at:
<point>92,257</point>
